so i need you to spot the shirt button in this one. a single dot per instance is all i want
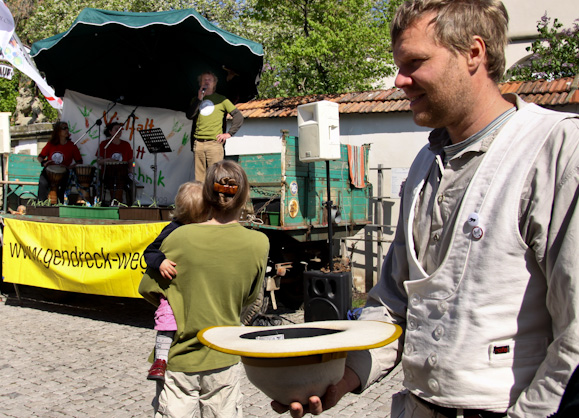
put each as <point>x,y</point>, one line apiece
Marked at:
<point>440,198</point>
<point>408,375</point>
<point>433,385</point>
<point>443,306</point>
<point>408,349</point>
<point>436,237</point>
<point>415,299</point>
<point>438,333</point>
<point>432,359</point>
<point>412,325</point>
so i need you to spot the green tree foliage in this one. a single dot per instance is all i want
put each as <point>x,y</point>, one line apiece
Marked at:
<point>554,55</point>
<point>51,17</point>
<point>9,93</point>
<point>323,46</point>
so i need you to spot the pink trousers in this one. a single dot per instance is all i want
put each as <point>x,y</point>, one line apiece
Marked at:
<point>164,318</point>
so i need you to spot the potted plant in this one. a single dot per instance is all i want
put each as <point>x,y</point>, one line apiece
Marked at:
<point>138,212</point>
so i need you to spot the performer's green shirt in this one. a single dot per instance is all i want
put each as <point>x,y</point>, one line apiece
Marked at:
<point>212,112</point>
<point>220,269</point>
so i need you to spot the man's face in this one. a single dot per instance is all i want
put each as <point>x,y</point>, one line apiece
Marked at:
<point>208,82</point>
<point>434,79</point>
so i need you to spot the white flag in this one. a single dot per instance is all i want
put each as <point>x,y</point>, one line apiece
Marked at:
<point>14,52</point>
<point>6,26</point>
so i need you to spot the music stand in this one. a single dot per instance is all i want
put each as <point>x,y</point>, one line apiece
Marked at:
<point>155,142</point>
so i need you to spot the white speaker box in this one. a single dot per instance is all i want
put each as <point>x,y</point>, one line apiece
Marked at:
<point>5,132</point>
<point>319,131</point>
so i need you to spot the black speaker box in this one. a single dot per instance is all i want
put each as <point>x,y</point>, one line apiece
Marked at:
<point>327,296</point>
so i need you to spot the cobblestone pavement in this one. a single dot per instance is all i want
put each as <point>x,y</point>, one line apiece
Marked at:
<point>72,355</point>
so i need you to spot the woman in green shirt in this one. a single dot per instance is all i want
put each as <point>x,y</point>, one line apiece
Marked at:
<point>220,268</point>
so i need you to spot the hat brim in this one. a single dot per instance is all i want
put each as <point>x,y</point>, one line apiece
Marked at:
<point>298,340</point>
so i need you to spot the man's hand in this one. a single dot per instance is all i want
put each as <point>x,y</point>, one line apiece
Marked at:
<point>316,406</point>
<point>201,93</point>
<point>221,138</point>
<point>167,269</point>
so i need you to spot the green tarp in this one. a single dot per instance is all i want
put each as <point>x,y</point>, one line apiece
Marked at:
<point>149,59</point>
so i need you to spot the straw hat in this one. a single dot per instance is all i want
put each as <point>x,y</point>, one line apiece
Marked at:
<point>293,362</point>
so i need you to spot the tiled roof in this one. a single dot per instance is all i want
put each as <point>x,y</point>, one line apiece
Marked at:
<point>545,93</point>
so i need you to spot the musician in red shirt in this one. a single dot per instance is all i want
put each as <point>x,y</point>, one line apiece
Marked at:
<point>57,157</point>
<point>116,161</point>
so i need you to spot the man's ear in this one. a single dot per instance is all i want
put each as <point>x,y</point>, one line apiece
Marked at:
<point>477,54</point>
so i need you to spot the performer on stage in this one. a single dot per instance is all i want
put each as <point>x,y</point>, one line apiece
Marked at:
<point>116,162</point>
<point>57,157</point>
<point>209,112</point>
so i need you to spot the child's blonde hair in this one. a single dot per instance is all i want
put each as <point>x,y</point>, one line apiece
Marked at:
<point>189,204</point>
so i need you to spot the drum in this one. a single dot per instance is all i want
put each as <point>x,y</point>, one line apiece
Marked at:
<point>115,176</point>
<point>54,173</point>
<point>84,176</point>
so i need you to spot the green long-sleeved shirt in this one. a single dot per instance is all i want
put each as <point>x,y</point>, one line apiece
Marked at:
<point>220,269</point>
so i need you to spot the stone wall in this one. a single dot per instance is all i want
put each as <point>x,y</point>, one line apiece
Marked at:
<point>37,132</point>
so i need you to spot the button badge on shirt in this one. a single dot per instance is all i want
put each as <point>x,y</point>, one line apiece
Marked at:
<point>474,221</point>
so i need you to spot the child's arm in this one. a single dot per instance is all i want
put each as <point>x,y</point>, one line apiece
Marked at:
<point>167,269</point>
<point>154,257</point>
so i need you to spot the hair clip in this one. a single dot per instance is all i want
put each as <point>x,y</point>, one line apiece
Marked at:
<point>225,188</point>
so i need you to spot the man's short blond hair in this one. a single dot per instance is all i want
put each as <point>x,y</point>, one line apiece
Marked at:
<point>457,22</point>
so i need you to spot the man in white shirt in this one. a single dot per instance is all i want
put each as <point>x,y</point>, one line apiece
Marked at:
<point>482,273</point>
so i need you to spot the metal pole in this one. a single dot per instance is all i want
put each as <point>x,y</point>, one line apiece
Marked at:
<point>329,212</point>
<point>154,167</point>
<point>379,220</point>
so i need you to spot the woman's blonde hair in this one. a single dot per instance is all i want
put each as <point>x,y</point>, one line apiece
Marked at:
<point>457,22</point>
<point>189,204</point>
<point>226,188</point>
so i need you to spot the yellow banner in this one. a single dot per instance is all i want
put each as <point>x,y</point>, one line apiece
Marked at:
<point>97,259</point>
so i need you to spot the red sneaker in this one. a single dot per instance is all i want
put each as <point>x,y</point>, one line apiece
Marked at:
<point>157,370</point>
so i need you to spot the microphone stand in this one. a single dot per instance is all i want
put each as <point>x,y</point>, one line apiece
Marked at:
<point>97,122</point>
<point>133,133</point>
<point>132,114</point>
<point>98,168</point>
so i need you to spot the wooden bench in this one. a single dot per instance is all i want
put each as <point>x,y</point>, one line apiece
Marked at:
<point>20,177</point>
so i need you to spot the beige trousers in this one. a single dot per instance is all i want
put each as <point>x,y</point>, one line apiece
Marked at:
<point>216,392</point>
<point>206,154</point>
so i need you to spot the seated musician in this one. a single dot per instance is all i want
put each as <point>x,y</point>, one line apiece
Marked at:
<point>57,157</point>
<point>116,163</point>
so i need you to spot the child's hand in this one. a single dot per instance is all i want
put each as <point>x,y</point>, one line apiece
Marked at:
<point>167,269</point>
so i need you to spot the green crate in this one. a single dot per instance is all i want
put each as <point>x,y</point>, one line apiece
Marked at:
<point>273,218</point>
<point>85,212</point>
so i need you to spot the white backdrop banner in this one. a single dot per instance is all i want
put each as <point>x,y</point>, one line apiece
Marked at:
<point>173,168</point>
